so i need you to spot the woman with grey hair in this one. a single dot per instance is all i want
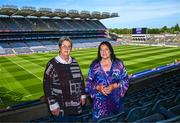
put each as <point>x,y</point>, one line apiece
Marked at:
<point>63,84</point>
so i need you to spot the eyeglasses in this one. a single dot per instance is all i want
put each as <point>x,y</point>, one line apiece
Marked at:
<point>66,47</point>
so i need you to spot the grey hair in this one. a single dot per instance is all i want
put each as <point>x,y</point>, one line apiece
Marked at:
<point>64,38</point>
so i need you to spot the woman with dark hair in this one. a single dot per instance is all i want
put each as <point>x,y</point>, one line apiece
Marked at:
<point>107,82</point>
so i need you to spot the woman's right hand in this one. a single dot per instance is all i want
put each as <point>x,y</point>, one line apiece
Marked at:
<point>102,89</point>
<point>56,112</point>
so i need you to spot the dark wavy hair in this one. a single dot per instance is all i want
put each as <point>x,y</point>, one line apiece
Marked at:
<point>113,56</point>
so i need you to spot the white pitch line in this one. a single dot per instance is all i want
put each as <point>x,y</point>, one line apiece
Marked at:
<point>28,95</point>
<point>25,69</point>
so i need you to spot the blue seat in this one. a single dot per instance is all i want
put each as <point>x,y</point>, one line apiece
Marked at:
<point>170,120</point>
<point>148,99</point>
<point>167,103</point>
<point>163,105</point>
<point>165,112</point>
<point>177,100</point>
<point>130,105</point>
<point>139,112</point>
<point>86,114</point>
<point>175,109</point>
<point>85,117</point>
<point>152,118</point>
<point>114,118</point>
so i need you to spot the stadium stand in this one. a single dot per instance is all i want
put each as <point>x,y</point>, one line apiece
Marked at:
<point>153,94</point>
<point>153,40</point>
<point>2,51</point>
<point>27,30</point>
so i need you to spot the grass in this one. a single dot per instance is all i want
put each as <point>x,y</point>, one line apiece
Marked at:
<point>21,76</point>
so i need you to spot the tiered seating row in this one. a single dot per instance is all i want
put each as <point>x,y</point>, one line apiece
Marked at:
<point>27,47</point>
<point>46,24</point>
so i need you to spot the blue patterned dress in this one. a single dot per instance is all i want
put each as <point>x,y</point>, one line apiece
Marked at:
<point>112,104</point>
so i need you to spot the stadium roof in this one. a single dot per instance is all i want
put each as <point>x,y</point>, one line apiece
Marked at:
<point>11,10</point>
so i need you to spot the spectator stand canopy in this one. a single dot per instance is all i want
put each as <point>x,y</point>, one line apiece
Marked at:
<point>11,10</point>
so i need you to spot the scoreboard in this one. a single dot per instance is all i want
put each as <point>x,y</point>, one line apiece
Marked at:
<point>139,31</point>
<point>140,34</point>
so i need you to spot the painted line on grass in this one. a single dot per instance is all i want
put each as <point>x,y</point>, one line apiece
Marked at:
<point>25,69</point>
<point>28,95</point>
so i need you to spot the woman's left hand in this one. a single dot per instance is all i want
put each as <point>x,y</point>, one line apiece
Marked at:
<point>111,87</point>
<point>83,101</point>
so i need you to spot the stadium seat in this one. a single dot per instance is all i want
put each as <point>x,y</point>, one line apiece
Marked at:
<point>149,99</point>
<point>170,120</point>
<point>83,118</point>
<point>175,109</point>
<point>152,118</point>
<point>177,100</point>
<point>167,103</point>
<point>114,118</point>
<point>139,112</point>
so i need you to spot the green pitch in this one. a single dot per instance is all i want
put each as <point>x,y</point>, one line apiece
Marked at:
<point>21,76</point>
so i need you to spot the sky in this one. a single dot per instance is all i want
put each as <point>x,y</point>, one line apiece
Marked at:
<point>132,13</point>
